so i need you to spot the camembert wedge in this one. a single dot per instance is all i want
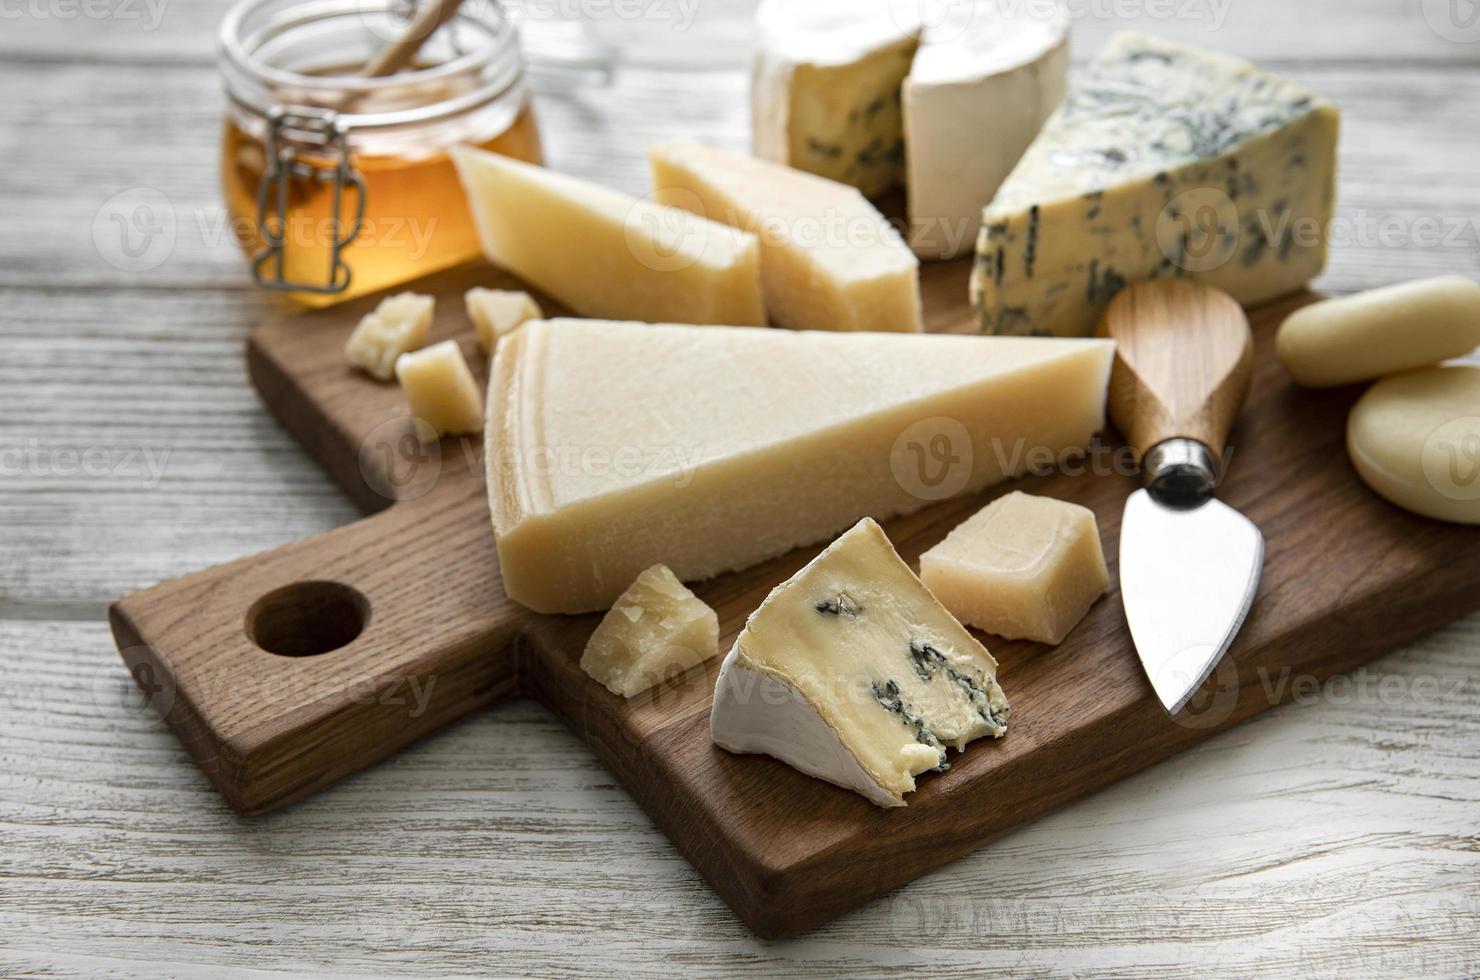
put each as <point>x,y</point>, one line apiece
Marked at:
<point>1164,160</point>
<point>981,86</point>
<point>613,447</point>
<point>887,93</point>
<point>824,94</point>
<point>607,254</point>
<point>852,672</point>
<point>829,259</point>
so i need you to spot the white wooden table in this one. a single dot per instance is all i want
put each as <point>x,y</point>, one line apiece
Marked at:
<point>1339,837</point>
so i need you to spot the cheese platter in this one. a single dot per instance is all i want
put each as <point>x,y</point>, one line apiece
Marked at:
<point>740,414</point>
<point>411,603</point>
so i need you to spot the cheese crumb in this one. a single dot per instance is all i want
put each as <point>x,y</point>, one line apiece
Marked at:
<point>658,629</point>
<point>399,324</point>
<point>440,389</point>
<point>498,312</point>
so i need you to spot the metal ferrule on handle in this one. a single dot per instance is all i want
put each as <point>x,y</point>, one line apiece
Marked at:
<point>1180,471</point>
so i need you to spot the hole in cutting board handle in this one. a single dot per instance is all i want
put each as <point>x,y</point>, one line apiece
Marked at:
<point>306,619</point>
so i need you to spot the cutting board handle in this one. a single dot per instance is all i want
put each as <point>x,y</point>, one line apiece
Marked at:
<point>1183,362</point>
<point>285,671</point>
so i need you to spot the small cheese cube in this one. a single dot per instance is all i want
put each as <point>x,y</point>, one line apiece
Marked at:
<point>399,324</point>
<point>497,312</point>
<point>440,389</point>
<point>1022,567</point>
<point>658,629</point>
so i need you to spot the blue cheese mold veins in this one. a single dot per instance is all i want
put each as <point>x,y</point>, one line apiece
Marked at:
<point>1164,160</point>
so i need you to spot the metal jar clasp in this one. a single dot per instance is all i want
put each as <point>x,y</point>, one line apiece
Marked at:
<point>289,127</point>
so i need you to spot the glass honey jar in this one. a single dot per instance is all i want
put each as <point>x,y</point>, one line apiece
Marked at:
<point>337,184</point>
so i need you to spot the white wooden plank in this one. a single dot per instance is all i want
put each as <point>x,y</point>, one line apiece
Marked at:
<point>1323,838</point>
<point>1409,203</point>
<point>715,33</point>
<point>97,364</point>
<point>1335,838</point>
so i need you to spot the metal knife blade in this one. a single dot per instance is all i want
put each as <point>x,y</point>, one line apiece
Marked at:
<point>1188,575</point>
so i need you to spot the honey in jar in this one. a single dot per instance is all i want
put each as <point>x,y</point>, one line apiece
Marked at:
<point>337,185</point>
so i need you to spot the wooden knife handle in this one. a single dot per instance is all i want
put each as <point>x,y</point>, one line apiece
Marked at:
<point>1182,363</point>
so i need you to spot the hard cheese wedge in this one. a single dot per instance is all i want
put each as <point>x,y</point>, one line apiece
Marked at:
<point>829,259</point>
<point>605,254</point>
<point>1164,160</point>
<point>613,447</point>
<point>852,672</point>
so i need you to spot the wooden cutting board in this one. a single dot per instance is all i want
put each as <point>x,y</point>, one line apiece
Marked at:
<point>408,605</point>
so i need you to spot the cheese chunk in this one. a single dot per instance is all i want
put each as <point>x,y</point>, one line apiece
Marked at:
<point>1414,438</point>
<point>440,389</point>
<point>612,447</point>
<point>825,88</point>
<point>1164,160</point>
<point>399,324</point>
<point>829,259</point>
<point>1384,331</point>
<point>606,254</point>
<point>658,629</point>
<point>1022,567</point>
<point>986,77</point>
<point>852,672</point>
<point>497,312</point>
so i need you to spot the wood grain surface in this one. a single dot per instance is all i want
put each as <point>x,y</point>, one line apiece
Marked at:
<point>1346,578</point>
<point>1184,359</point>
<point>1331,837</point>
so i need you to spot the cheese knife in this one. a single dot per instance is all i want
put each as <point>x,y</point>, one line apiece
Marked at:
<point>1189,563</point>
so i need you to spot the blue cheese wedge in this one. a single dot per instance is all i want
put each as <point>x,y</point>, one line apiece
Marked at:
<point>1164,160</point>
<point>852,672</point>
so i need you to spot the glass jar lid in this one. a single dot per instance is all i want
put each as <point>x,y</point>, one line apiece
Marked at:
<point>308,52</point>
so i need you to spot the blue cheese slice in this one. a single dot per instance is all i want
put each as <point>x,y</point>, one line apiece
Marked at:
<point>1164,160</point>
<point>852,672</point>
